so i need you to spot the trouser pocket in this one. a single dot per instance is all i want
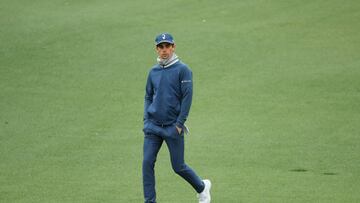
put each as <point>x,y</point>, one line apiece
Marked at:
<point>175,132</point>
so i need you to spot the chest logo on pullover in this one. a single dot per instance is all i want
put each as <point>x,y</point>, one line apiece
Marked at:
<point>185,81</point>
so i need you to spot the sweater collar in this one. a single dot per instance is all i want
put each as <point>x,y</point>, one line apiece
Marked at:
<point>164,63</point>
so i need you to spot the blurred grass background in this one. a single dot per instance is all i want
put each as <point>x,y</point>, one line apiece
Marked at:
<point>275,115</point>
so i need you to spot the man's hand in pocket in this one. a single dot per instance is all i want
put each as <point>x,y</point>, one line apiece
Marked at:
<point>178,129</point>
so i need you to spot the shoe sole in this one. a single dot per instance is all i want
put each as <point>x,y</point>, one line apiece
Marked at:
<point>209,190</point>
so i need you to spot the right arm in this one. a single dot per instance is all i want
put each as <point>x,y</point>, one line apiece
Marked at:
<point>148,96</point>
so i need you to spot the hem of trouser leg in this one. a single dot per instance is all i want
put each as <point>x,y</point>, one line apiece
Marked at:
<point>203,188</point>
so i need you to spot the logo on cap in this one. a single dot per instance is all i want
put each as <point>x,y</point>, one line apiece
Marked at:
<point>164,37</point>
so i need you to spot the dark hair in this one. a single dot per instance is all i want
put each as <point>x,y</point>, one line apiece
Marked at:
<point>166,44</point>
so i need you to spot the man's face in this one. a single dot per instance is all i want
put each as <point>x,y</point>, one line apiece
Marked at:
<point>165,50</point>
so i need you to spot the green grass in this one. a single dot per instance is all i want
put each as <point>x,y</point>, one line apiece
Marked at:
<point>275,115</point>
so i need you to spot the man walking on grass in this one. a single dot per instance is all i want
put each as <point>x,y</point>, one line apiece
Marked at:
<point>168,99</point>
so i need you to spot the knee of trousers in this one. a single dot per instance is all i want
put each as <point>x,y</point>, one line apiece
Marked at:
<point>149,162</point>
<point>179,169</point>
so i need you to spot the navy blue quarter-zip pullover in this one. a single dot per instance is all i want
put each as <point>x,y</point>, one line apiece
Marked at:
<point>168,94</point>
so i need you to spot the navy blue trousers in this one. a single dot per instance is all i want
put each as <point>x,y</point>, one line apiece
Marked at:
<point>153,139</point>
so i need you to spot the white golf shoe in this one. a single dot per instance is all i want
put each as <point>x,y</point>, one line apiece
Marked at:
<point>204,196</point>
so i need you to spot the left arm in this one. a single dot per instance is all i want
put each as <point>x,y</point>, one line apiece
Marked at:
<point>186,97</point>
